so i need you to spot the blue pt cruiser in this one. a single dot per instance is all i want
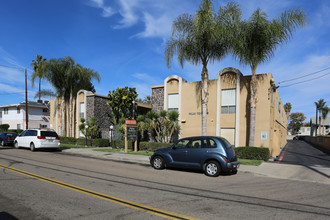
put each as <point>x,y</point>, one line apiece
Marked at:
<point>211,154</point>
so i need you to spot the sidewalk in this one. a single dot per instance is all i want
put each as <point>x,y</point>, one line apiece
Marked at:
<point>274,170</point>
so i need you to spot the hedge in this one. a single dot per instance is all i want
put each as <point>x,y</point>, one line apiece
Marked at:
<point>4,127</point>
<point>18,131</point>
<point>68,140</point>
<point>153,146</point>
<point>252,153</point>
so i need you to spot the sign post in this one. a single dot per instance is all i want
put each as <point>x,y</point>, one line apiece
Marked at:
<point>130,134</point>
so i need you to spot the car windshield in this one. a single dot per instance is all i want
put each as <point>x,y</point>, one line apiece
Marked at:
<point>48,134</point>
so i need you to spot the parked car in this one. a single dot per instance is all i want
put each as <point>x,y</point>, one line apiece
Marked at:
<point>37,138</point>
<point>7,138</point>
<point>213,155</point>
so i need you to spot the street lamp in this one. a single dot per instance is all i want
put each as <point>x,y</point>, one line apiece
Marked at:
<point>111,130</point>
<point>86,126</point>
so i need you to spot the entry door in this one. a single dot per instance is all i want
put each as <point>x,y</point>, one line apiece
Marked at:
<point>229,134</point>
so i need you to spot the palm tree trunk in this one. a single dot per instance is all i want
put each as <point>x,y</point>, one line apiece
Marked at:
<point>70,115</point>
<point>205,94</point>
<point>39,88</point>
<point>316,118</point>
<point>253,105</point>
<point>63,116</point>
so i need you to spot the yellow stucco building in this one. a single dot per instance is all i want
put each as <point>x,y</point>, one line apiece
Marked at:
<point>228,108</point>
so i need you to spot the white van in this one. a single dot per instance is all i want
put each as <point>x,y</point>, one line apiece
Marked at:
<point>37,138</point>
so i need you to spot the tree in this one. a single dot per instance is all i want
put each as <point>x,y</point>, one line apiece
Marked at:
<point>146,100</point>
<point>287,109</point>
<point>203,38</point>
<point>319,106</point>
<point>325,112</point>
<point>296,121</point>
<point>38,72</point>
<point>92,129</point>
<point>163,124</point>
<point>121,103</point>
<point>67,78</point>
<point>256,42</point>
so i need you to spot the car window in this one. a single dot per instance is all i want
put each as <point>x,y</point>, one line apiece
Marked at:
<point>11,135</point>
<point>181,144</point>
<point>48,134</point>
<point>209,143</point>
<point>197,143</point>
<point>225,143</point>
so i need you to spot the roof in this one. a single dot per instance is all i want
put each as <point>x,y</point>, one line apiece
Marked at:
<point>30,104</point>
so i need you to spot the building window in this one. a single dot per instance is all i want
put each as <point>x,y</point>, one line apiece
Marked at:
<point>45,110</point>
<point>228,101</point>
<point>5,111</point>
<point>82,110</point>
<point>43,126</point>
<point>18,110</point>
<point>19,126</point>
<point>173,102</point>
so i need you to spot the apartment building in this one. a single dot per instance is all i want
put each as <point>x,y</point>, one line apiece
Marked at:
<point>228,108</point>
<point>15,116</point>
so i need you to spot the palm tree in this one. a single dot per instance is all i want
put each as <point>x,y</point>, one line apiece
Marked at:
<point>319,106</point>
<point>256,43</point>
<point>287,109</point>
<point>325,112</point>
<point>68,78</point>
<point>203,38</point>
<point>38,72</point>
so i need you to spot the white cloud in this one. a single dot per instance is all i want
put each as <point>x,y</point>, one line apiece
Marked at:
<point>128,13</point>
<point>106,10</point>
<point>155,27</point>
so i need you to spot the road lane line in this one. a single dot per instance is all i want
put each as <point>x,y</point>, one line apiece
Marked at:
<point>149,209</point>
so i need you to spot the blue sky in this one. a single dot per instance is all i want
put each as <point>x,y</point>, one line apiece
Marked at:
<point>123,40</point>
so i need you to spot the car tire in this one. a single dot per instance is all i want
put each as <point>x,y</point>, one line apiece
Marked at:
<point>32,147</point>
<point>16,145</point>
<point>212,168</point>
<point>2,143</point>
<point>158,163</point>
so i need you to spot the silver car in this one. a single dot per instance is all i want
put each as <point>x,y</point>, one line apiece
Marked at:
<point>37,138</point>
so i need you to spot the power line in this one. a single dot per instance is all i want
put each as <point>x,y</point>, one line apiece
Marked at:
<point>304,76</point>
<point>312,67</point>
<point>12,93</point>
<point>11,67</point>
<point>305,80</point>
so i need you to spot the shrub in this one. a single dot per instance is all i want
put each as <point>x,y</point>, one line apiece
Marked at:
<point>18,131</point>
<point>152,146</point>
<point>100,142</point>
<point>253,153</point>
<point>4,127</point>
<point>121,144</point>
<point>68,140</point>
<point>82,141</point>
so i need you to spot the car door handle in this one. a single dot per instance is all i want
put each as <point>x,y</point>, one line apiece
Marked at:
<point>206,151</point>
<point>186,151</point>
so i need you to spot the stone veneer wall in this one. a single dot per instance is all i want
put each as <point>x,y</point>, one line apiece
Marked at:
<point>158,99</point>
<point>97,107</point>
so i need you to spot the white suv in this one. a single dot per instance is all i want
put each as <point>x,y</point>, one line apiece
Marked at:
<point>37,138</point>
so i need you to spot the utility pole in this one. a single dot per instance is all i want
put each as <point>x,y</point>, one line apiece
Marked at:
<point>26,103</point>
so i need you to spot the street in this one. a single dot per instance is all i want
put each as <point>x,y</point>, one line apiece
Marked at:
<point>52,185</point>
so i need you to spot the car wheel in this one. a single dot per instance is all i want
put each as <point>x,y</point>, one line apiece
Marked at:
<point>32,147</point>
<point>212,168</point>
<point>16,145</point>
<point>158,163</point>
<point>2,143</point>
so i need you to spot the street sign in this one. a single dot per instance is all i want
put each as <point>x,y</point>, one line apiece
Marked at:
<point>130,122</point>
<point>131,133</point>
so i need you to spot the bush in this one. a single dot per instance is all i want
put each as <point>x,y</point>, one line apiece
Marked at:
<point>68,140</point>
<point>153,146</point>
<point>253,153</point>
<point>100,142</point>
<point>4,127</point>
<point>18,131</point>
<point>82,141</point>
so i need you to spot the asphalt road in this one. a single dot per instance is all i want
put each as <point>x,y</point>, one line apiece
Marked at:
<point>299,152</point>
<point>51,185</point>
